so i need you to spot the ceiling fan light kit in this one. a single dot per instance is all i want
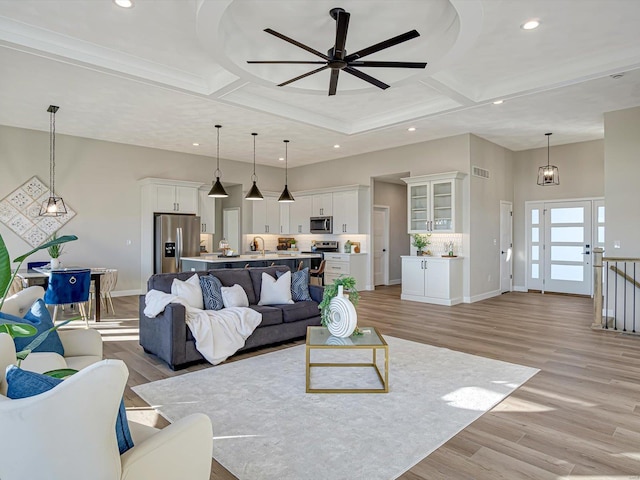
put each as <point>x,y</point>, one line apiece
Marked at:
<point>548,175</point>
<point>338,60</point>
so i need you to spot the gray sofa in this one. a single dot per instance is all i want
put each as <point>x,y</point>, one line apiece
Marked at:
<point>168,337</point>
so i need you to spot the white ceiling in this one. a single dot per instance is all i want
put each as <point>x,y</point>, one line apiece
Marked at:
<point>163,73</point>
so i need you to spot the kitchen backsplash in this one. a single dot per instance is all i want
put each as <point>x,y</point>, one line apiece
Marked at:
<point>440,244</point>
<point>304,241</point>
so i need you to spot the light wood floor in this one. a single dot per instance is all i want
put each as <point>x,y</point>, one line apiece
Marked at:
<point>579,418</point>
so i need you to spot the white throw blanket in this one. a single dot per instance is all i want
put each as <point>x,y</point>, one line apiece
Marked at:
<point>218,333</point>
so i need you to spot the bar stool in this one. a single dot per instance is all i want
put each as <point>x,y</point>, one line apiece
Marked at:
<point>316,275</point>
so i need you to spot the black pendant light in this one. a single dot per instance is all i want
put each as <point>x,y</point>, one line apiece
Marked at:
<point>286,196</point>
<point>548,175</point>
<point>53,206</point>
<point>217,190</point>
<point>254,192</point>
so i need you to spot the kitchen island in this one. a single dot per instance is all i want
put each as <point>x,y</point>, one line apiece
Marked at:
<point>213,261</point>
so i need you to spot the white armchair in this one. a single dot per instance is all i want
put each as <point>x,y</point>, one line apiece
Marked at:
<point>82,347</point>
<point>69,432</point>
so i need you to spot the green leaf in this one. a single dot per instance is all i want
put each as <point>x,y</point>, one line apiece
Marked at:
<point>20,329</point>
<point>42,337</point>
<point>57,241</point>
<point>61,373</point>
<point>22,354</point>
<point>5,269</point>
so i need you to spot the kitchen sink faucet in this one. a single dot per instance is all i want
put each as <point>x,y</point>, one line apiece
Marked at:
<point>254,240</point>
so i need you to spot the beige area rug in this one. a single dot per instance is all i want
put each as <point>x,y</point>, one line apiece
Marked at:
<point>266,427</point>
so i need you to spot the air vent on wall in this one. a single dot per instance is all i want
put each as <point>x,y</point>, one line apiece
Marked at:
<point>479,172</point>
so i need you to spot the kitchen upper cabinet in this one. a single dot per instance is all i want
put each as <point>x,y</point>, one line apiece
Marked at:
<point>266,215</point>
<point>346,215</point>
<point>285,213</point>
<point>432,280</point>
<point>434,203</point>
<point>299,214</point>
<point>322,205</point>
<point>176,199</point>
<point>207,212</point>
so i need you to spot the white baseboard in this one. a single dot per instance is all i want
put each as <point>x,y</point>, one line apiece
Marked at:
<point>482,296</point>
<point>519,288</point>
<point>126,293</point>
<point>395,281</point>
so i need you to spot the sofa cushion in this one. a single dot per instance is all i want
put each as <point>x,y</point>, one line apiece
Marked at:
<point>163,281</point>
<point>189,290</point>
<point>234,297</point>
<point>39,317</point>
<point>232,276</point>
<point>299,285</point>
<point>270,315</point>
<point>256,276</point>
<point>275,292</point>
<point>211,292</point>
<point>299,311</point>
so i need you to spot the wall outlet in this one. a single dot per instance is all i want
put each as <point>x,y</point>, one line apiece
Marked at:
<point>616,244</point>
<point>128,242</point>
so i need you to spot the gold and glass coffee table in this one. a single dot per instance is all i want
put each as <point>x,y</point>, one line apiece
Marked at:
<point>319,338</point>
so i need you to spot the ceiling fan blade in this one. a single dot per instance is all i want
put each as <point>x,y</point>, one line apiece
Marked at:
<point>342,24</point>
<point>366,78</point>
<point>333,83</point>
<point>296,43</point>
<point>382,45</point>
<point>366,63</point>
<point>299,77</point>
<point>292,62</point>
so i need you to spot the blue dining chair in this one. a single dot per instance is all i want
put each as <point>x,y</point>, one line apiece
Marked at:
<point>68,286</point>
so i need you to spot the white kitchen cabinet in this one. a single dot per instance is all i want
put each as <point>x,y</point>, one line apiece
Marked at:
<point>299,214</point>
<point>266,215</point>
<point>207,212</point>
<point>347,264</point>
<point>346,213</point>
<point>285,213</point>
<point>432,280</point>
<point>176,198</point>
<point>322,205</point>
<point>434,203</point>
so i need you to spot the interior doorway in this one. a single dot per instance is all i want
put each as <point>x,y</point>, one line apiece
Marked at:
<point>380,245</point>
<point>506,246</point>
<point>560,239</point>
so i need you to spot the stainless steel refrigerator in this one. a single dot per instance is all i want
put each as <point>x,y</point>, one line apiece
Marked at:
<point>176,236</point>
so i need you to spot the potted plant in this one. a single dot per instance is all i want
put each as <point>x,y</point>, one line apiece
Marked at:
<point>420,241</point>
<point>55,250</point>
<point>336,289</point>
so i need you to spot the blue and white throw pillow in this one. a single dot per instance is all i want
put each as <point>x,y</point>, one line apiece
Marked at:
<point>299,285</point>
<point>38,316</point>
<point>23,384</point>
<point>211,292</point>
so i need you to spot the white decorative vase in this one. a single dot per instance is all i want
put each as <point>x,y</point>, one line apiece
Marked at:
<point>55,263</point>
<point>343,318</point>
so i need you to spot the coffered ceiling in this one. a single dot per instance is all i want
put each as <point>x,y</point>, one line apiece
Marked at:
<point>162,73</point>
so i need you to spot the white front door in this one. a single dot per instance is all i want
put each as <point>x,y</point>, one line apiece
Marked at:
<point>559,240</point>
<point>506,246</point>
<point>380,245</point>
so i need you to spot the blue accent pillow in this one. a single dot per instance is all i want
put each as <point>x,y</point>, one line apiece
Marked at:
<point>38,316</point>
<point>299,285</point>
<point>211,292</point>
<point>23,384</point>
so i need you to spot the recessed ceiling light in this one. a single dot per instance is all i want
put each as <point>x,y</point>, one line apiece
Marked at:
<point>412,129</point>
<point>336,146</point>
<point>195,144</point>
<point>124,3</point>
<point>530,24</point>
<point>281,159</point>
<point>498,102</point>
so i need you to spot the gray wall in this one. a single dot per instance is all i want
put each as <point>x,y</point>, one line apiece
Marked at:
<point>581,168</point>
<point>622,171</point>
<point>394,196</point>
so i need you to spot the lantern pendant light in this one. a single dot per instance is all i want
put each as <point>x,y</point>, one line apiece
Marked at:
<point>548,175</point>
<point>254,192</point>
<point>53,206</point>
<point>217,190</point>
<point>286,196</point>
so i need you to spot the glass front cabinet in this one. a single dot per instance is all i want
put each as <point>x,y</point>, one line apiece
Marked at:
<point>434,203</point>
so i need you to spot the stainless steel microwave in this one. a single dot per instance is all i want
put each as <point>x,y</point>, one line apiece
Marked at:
<point>321,225</point>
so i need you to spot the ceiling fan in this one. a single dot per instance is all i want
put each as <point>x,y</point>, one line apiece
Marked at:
<point>337,58</point>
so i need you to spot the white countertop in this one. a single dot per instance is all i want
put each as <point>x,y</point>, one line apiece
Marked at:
<point>213,258</point>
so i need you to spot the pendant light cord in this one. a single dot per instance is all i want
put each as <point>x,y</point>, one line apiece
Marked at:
<point>548,160</point>
<point>52,152</point>
<point>286,162</point>
<point>254,177</point>
<point>218,172</point>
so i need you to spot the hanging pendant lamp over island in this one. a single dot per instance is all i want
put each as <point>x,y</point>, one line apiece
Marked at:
<point>548,175</point>
<point>286,196</point>
<point>217,190</point>
<point>254,192</point>
<point>53,206</point>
